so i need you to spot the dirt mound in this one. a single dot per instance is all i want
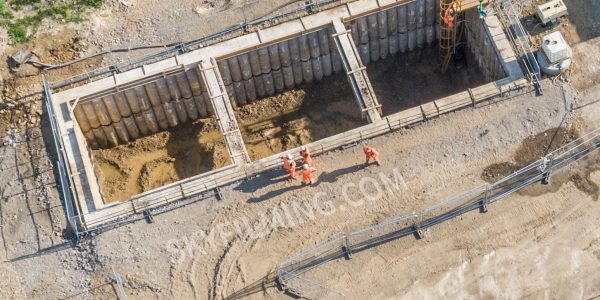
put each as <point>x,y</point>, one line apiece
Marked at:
<point>308,113</point>
<point>531,149</point>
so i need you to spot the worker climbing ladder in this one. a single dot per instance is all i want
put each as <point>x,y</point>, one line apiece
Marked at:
<point>450,11</point>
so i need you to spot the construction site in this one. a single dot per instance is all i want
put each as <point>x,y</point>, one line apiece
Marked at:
<point>323,149</point>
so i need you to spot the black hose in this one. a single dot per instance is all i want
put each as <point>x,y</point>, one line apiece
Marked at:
<point>52,67</point>
<point>171,46</point>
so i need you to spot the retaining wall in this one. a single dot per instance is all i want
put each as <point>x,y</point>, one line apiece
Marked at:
<point>481,47</point>
<point>167,101</point>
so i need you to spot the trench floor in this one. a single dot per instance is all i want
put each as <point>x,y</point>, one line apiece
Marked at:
<point>411,79</point>
<point>159,159</point>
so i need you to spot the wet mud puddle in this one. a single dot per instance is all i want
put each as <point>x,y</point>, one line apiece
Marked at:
<point>584,174</point>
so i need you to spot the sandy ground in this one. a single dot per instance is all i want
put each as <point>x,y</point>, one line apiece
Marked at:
<point>542,243</point>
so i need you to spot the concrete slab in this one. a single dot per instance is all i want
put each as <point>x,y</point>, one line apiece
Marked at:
<point>430,110</point>
<point>357,74</point>
<point>361,7</point>
<point>281,31</point>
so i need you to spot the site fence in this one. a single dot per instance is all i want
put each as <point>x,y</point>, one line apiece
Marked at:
<point>64,177</point>
<point>343,245</point>
<point>510,16</point>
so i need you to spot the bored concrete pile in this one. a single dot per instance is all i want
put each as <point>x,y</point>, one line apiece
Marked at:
<point>118,117</point>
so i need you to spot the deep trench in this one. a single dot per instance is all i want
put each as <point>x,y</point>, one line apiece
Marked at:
<point>285,118</point>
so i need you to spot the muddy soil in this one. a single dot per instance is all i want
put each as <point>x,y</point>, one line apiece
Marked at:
<point>156,160</point>
<point>534,147</point>
<point>531,149</point>
<point>300,116</point>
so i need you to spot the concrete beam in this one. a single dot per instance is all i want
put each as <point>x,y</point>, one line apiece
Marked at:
<point>79,161</point>
<point>357,73</point>
<point>224,112</point>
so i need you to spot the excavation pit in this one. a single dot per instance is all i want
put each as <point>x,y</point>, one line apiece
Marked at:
<point>157,160</point>
<point>183,126</point>
<point>407,81</point>
<point>297,117</point>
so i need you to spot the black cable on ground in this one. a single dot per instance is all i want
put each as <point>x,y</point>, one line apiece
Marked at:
<point>53,67</point>
<point>172,45</point>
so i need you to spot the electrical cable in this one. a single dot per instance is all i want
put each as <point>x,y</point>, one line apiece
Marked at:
<point>52,67</point>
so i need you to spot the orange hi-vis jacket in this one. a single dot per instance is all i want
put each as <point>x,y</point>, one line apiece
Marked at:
<point>370,152</point>
<point>449,17</point>
<point>307,175</point>
<point>289,165</point>
<point>307,159</point>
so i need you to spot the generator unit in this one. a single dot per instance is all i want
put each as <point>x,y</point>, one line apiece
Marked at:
<point>551,11</point>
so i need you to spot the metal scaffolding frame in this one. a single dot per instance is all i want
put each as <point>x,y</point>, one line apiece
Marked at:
<point>510,16</point>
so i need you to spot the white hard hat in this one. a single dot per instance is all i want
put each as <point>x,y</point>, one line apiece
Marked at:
<point>305,166</point>
<point>303,148</point>
<point>289,156</point>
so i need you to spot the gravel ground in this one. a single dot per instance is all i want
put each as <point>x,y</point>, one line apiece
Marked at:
<point>524,247</point>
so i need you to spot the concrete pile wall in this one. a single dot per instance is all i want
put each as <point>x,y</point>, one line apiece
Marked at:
<point>143,110</point>
<point>481,47</point>
<point>399,29</point>
<point>151,107</point>
<point>282,66</point>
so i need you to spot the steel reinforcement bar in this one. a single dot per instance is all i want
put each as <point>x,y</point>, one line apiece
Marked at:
<point>344,244</point>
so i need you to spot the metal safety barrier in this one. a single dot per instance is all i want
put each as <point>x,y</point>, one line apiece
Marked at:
<point>290,272</point>
<point>510,17</point>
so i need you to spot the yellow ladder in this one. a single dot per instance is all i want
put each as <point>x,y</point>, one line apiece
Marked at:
<point>448,34</point>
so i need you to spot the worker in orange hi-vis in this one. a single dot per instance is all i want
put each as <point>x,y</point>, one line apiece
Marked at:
<point>307,174</point>
<point>370,152</point>
<point>289,164</point>
<point>306,158</point>
<point>449,16</point>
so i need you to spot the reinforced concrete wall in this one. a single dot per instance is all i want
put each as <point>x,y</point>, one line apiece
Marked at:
<point>177,97</point>
<point>481,47</point>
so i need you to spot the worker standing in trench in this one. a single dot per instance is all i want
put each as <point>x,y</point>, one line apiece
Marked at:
<point>371,152</point>
<point>289,164</point>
